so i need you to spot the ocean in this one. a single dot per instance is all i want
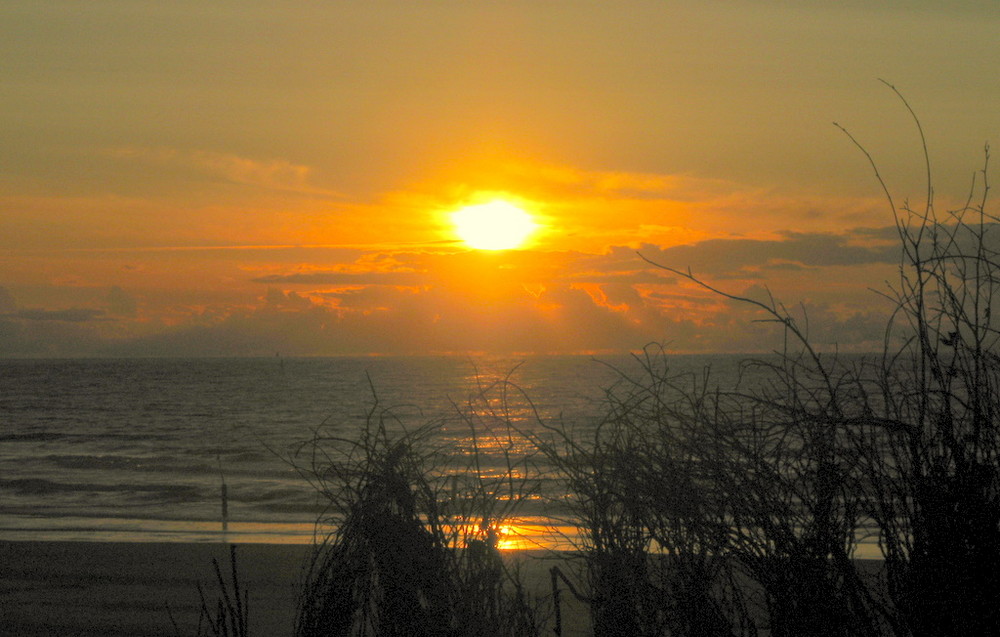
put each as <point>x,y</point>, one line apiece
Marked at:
<point>138,449</point>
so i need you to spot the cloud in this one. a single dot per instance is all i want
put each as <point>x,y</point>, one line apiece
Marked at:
<point>7,303</point>
<point>286,301</point>
<point>121,303</point>
<point>72,315</point>
<point>446,300</point>
<point>276,174</point>
<point>475,313</point>
<point>392,321</point>
<point>334,277</point>
<point>728,256</point>
<point>450,301</point>
<point>271,173</point>
<point>522,174</point>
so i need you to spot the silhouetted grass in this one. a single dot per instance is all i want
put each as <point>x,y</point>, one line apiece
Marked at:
<point>412,547</point>
<point>228,616</point>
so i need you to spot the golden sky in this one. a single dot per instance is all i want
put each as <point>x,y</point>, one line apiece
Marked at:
<point>245,178</point>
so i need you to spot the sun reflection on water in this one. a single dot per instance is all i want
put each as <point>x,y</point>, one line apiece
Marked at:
<point>521,534</point>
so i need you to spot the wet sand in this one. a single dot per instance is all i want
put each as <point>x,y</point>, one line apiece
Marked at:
<point>124,589</point>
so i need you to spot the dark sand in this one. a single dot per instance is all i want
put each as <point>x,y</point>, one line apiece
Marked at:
<point>123,589</point>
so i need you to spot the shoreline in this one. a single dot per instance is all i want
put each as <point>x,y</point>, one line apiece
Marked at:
<point>123,589</point>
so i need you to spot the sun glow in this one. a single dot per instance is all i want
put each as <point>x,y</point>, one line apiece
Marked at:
<point>497,225</point>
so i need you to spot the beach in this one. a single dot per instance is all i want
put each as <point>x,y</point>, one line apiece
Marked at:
<point>122,589</point>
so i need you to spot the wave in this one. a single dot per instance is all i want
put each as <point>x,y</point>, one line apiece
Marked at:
<point>33,437</point>
<point>155,464</point>
<point>42,486</point>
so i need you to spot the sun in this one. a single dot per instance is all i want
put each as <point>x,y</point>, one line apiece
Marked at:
<point>496,225</point>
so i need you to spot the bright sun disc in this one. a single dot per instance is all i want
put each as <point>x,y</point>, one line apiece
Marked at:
<point>496,225</point>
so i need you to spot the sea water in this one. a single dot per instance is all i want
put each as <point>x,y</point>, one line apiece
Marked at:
<point>139,449</point>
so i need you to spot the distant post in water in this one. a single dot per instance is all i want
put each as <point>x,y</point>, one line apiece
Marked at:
<point>225,498</point>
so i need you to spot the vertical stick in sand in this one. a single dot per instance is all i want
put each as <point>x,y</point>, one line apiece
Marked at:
<point>554,574</point>
<point>225,499</point>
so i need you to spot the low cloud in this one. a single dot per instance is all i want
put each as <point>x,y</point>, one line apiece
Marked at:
<point>806,250</point>
<point>121,303</point>
<point>72,315</point>
<point>334,277</point>
<point>7,303</point>
<point>268,173</point>
<point>406,302</point>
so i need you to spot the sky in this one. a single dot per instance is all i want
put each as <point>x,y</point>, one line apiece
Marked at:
<point>255,178</point>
